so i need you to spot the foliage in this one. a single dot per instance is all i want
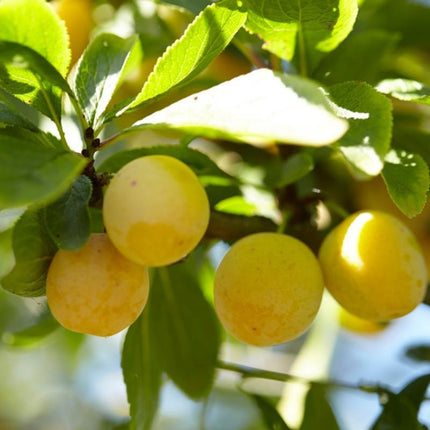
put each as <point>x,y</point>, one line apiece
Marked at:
<point>337,93</point>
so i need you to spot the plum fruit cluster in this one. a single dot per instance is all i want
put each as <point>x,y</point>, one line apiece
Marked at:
<point>155,212</point>
<point>268,287</point>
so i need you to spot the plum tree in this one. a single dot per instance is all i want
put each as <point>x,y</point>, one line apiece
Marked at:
<point>96,290</point>
<point>155,210</point>
<point>373,266</point>
<point>268,289</point>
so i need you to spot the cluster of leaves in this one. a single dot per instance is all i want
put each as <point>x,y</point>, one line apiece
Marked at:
<point>324,87</point>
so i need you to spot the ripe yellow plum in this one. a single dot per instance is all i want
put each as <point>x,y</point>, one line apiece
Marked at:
<point>373,266</point>
<point>373,195</point>
<point>359,325</point>
<point>77,14</point>
<point>268,289</point>
<point>96,290</point>
<point>155,210</point>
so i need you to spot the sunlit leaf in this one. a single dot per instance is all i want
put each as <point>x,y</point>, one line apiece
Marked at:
<point>260,107</point>
<point>205,38</point>
<point>305,30</point>
<point>98,74</point>
<point>406,89</point>
<point>368,112</point>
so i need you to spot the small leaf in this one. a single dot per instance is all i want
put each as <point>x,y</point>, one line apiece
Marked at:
<point>405,89</point>
<point>237,205</point>
<point>32,172</point>
<point>291,170</point>
<point>33,249</point>
<point>196,160</point>
<point>306,30</point>
<point>368,139</point>
<point>35,24</point>
<point>260,107</point>
<point>318,411</point>
<point>205,38</point>
<point>363,52</point>
<point>31,78</point>
<point>68,219</point>
<point>32,335</point>
<point>407,178</point>
<point>415,391</point>
<point>398,414</point>
<point>401,410</point>
<point>99,71</point>
<point>270,415</point>
<point>185,328</point>
<point>142,374</point>
<point>419,353</point>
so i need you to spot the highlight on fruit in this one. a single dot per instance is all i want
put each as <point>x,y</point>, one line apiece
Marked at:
<point>373,266</point>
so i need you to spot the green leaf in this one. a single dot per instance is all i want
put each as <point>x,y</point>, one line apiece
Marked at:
<point>99,71</point>
<point>415,391</point>
<point>142,374</point>
<point>8,219</point>
<point>405,89</point>
<point>34,173</point>
<point>196,160</point>
<point>35,24</point>
<point>360,57</point>
<point>407,178</point>
<point>270,415</point>
<point>412,140</point>
<point>185,328</point>
<point>237,205</point>
<point>318,412</point>
<point>419,353</point>
<point>401,410</point>
<point>398,414</point>
<point>16,113</point>
<point>31,78</point>
<point>96,220</point>
<point>68,218</point>
<point>260,107</point>
<point>291,170</point>
<point>304,30</point>
<point>32,335</point>
<point>33,249</point>
<point>205,38</point>
<point>194,6</point>
<point>368,139</point>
